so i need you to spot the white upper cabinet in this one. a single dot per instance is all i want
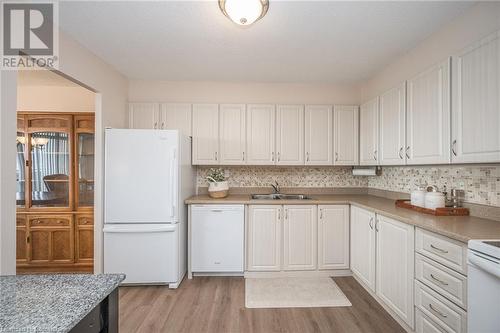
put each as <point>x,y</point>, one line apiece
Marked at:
<point>264,238</point>
<point>260,128</point>
<point>176,116</point>
<point>363,240</point>
<point>205,134</point>
<point>476,102</point>
<point>392,116</point>
<point>368,127</point>
<point>428,116</point>
<point>144,115</point>
<point>395,266</point>
<point>232,139</point>
<point>318,135</point>
<point>333,237</point>
<point>299,237</point>
<point>345,135</point>
<point>290,135</point>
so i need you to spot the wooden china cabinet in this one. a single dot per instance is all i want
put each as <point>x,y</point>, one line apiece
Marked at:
<point>55,192</point>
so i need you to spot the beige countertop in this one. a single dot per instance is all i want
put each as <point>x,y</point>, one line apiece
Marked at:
<point>461,228</point>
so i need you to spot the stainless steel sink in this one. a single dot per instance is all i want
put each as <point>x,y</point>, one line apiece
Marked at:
<point>278,196</point>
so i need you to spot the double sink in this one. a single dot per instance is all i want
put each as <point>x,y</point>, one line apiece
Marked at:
<point>279,196</point>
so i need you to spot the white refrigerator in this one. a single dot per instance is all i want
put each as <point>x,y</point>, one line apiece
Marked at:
<point>148,175</point>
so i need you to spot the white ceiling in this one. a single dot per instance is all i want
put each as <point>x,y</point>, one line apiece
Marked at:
<point>297,41</point>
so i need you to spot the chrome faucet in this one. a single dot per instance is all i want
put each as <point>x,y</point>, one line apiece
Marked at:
<point>276,187</point>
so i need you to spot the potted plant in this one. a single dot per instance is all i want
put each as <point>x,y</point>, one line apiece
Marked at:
<point>218,187</point>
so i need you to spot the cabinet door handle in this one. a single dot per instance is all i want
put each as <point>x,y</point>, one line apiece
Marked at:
<point>437,311</point>
<point>216,156</point>
<point>371,223</point>
<point>279,214</point>
<point>438,280</point>
<point>272,156</point>
<point>376,225</point>
<point>406,152</point>
<point>286,214</point>
<point>321,214</point>
<point>243,156</point>
<point>162,125</point>
<point>453,145</point>
<point>279,157</point>
<point>438,249</point>
<point>156,125</point>
<point>307,156</point>
<point>401,153</point>
<point>375,154</point>
<point>336,156</point>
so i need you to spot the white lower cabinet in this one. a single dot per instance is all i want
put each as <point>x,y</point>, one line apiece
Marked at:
<point>423,324</point>
<point>293,238</point>
<point>445,314</point>
<point>333,237</point>
<point>382,258</point>
<point>363,246</point>
<point>395,266</point>
<point>264,238</point>
<point>299,237</point>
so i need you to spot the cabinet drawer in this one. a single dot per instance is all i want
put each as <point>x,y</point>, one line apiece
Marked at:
<point>424,324</point>
<point>446,314</point>
<point>446,251</point>
<point>84,220</point>
<point>54,221</point>
<point>20,220</point>
<point>445,281</point>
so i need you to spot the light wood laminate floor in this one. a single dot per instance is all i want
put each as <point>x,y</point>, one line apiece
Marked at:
<point>217,304</point>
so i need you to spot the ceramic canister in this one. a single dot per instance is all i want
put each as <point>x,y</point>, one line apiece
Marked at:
<point>418,198</point>
<point>434,200</point>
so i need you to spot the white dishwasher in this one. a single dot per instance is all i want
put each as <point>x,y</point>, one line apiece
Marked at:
<point>217,238</point>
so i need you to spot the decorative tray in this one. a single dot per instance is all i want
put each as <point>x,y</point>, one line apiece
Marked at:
<point>444,211</point>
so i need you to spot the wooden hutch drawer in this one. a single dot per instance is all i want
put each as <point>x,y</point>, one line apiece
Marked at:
<point>83,220</point>
<point>52,220</point>
<point>20,220</point>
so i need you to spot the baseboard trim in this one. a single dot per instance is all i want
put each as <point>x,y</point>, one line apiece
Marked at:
<point>325,273</point>
<point>195,274</point>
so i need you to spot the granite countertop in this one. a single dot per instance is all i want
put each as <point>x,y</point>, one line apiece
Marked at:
<point>461,228</point>
<point>51,303</point>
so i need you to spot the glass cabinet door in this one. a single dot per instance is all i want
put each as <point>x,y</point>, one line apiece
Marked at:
<point>85,169</point>
<point>20,169</point>
<point>50,169</point>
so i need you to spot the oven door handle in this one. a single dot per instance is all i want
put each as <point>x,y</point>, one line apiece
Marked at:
<point>485,263</point>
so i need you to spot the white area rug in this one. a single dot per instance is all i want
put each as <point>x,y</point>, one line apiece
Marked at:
<point>293,293</point>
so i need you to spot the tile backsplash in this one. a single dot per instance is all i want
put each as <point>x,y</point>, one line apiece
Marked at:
<point>255,176</point>
<point>480,182</point>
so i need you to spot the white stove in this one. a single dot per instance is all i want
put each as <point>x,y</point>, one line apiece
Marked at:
<point>483,286</point>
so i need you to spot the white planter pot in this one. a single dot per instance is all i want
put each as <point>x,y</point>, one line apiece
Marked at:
<point>218,189</point>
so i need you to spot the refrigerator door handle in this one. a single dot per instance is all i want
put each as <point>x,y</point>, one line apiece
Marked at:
<point>125,229</point>
<point>172,185</point>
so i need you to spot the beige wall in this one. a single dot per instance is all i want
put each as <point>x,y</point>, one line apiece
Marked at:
<point>241,92</point>
<point>481,20</point>
<point>55,99</point>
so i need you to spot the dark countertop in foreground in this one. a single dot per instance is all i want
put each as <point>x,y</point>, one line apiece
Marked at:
<point>461,228</point>
<point>51,303</point>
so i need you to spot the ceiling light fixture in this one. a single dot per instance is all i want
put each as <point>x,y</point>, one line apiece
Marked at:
<point>244,12</point>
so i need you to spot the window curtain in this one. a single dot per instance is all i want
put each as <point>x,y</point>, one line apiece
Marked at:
<point>49,159</point>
